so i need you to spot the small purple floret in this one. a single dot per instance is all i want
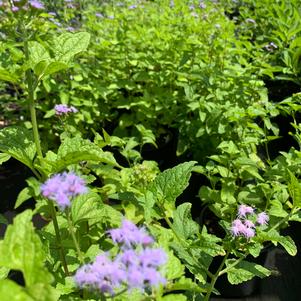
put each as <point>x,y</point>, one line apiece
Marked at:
<point>243,210</point>
<point>262,218</point>
<point>61,188</point>
<point>36,4</point>
<point>130,235</point>
<point>63,109</point>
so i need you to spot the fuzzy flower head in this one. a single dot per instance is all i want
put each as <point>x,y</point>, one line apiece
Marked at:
<point>63,109</point>
<point>247,220</point>
<point>136,265</point>
<point>36,4</point>
<point>61,188</point>
<point>243,210</point>
<point>130,235</point>
<point>262,218</point>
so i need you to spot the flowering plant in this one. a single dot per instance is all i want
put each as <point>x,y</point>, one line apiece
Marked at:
<point>102,88</point>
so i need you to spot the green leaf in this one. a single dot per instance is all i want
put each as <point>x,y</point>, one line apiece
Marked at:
<point>147,135</point>
<point>288,244</point>
<point>3,219</point>
<point>277,209</point>
<point>22,250</point>
<point>186,284</point>
<point>68,45</point>
<point>197,262</point>
<point>10,291</point>
<point>294,188</point>
<point>174,297</point>
<point>171,183</point>
<point>49,67</point>
<point>43,292</point>
<point>209,244</point>
<point>23,196</point>
<point>69,284</point>
<point>183,224</point>
<point>18,142</point>
<point>147,201</point>
<point>37,53</point>
<point>75,150</point>
<point>54,67</point>
<point>174,267</point>
<point>4,272</point>
<point>85,207</point>
<point>244,271</point>
<point>7,76</point>
<point>4,157</point>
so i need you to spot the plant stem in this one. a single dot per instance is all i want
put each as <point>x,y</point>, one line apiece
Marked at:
<point>30,89</point>
<point>72,232</point>
<point>58,238</point>
<point>233,264</point>
<point>215,276</point>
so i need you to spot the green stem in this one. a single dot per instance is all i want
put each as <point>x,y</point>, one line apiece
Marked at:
<point>229,267</point>
<point>58,238</point>
<point>30,89</point>
<point>72,232</point>
<point>215,276</point>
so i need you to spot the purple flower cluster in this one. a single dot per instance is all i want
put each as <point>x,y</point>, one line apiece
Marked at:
<point>134,267</point>
<point>34,4</point>
<point>63,109</point>
<point>61,188</point>
<point>245,224</point>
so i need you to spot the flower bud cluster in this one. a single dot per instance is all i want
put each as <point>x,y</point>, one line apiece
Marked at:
<point>61,188</point>
<point>136,266</point>
<point>144,173</point>
<point>247,220</point>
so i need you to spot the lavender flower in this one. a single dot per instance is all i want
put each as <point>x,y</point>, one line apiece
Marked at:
<point>134,267</point>
<point>61,188</point>
<point>133,6</point>
<point>243,210</point>
<point>63,109</point>
<point>36,4</point>
<point>246,227</point>
<point>262,218</point>
<point>249,224</point>
<point>130,235</point>
<point>237,227</point>
<point>104,275</point>
<point>70,28</point>
<point>99,15</point>
<point>202,5</point>
<point>249,232</point>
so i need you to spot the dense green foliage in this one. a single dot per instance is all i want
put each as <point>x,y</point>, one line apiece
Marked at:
<point>208,88</point>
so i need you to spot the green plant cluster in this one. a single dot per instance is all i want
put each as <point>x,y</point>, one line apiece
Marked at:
<point>208,88</point>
